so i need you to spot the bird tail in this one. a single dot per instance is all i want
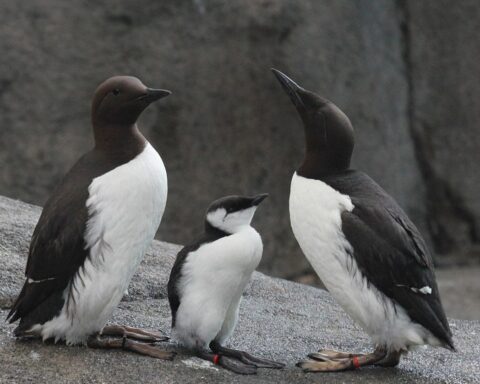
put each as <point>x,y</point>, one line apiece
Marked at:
<point>14,314</point>
<point>448,344</point>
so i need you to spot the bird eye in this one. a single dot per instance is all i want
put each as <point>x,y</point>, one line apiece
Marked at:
<point>116,91</point>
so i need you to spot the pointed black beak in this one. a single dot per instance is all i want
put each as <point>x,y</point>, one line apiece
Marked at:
<point>259,198</point>
<point>155,94</point>
<point>290,87</point>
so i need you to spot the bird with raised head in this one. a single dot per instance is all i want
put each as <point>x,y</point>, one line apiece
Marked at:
<point>365,249</point>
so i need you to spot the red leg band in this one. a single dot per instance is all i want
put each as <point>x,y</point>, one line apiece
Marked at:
<point>355,362</point>
<point>215,359</point>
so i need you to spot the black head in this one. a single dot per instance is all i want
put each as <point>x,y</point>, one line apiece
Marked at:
<point>328,131</point>
<point>231,213</point>
<point>121,99</point>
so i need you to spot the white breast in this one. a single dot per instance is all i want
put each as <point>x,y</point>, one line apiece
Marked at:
<point>125,207</point>
<point>315,215</point>
<point>213,280</point>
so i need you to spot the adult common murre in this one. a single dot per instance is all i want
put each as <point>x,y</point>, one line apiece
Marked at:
<point>95,228</point>
<point>207,281</point>
<point>365,249</point>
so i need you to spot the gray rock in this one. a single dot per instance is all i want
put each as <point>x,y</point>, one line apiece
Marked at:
<point>278,319</point>
<point>443,56</point>
<point>228,127</point>
<point>460,291</point>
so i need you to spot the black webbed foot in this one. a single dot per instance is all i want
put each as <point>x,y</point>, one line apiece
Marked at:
<point>230,364</point>
<point>245,357</point>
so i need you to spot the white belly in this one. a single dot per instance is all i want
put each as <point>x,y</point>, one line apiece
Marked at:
<point>213,280</point>
<point>125,207</point>
<point>315,215</point>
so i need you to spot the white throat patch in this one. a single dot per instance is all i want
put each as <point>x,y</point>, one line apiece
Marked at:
<point>231,222</point>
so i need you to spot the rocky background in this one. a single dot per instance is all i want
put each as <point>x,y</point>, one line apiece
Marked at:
<point>406,72</point>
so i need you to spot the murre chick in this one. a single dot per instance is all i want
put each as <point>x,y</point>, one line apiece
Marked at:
<point>362,245</point>
<point>95,228</point>
<point>207,281</point>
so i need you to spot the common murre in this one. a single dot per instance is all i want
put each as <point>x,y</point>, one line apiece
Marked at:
<point>95,228</point>
<point>208,279</point>
<point>365,249</point>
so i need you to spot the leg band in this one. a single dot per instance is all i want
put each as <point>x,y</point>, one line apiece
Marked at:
<point>355,362</point>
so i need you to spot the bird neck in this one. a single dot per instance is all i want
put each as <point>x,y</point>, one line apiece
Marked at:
<point>114,138</point>
<point>319,164</point>
<point>214,231</point>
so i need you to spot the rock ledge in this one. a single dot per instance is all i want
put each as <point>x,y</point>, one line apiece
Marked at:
<point>279,319</point>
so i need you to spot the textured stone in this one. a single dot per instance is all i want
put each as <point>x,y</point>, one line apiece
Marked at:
<point>444,53</point>
<point>228,127</point>
<point>278,319</point>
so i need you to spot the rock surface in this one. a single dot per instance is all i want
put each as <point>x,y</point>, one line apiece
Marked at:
<point>228,127</point>
<point>278,319</point>
<point>443,68</point>
<point>460,291</point>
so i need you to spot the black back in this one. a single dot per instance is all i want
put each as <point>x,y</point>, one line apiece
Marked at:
<point>57,249</point>
<point>389,250</point>
<point>211,234</point>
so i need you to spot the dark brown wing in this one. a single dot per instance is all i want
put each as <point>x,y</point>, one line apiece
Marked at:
<point>57,249</point>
